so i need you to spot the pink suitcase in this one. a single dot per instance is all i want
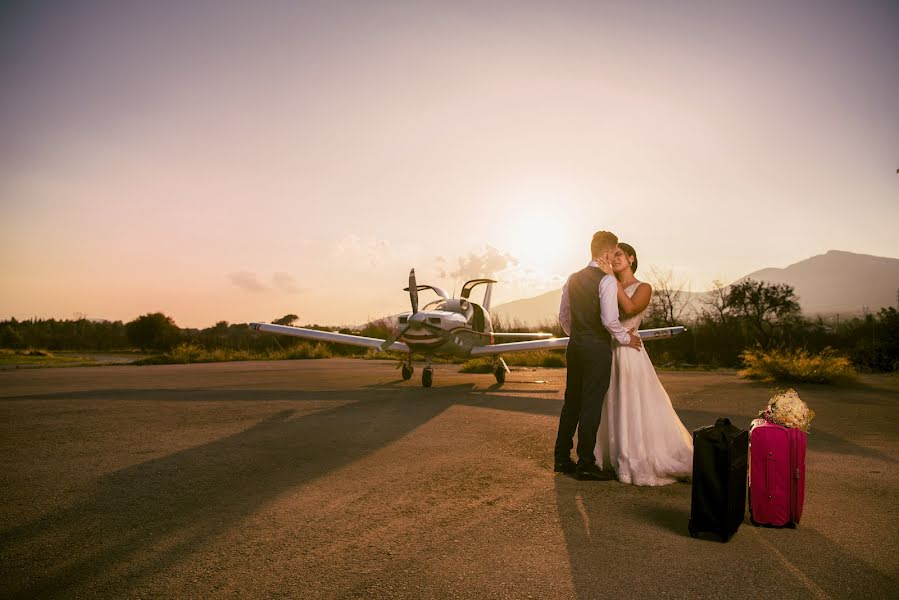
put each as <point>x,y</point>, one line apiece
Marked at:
<point>776,473</point>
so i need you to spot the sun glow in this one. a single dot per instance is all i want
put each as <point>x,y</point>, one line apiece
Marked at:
<point>539,239</point>
<point>535,225</point>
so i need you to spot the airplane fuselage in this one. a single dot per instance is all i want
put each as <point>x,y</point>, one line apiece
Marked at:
<point>442,330</point>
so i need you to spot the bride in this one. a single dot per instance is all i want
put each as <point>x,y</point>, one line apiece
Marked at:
<point>640,435</point>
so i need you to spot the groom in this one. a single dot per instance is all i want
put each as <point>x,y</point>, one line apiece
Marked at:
<point>589,315</point>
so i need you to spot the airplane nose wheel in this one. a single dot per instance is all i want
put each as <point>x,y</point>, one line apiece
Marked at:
<point>407,371</point>
<point>427,374</point>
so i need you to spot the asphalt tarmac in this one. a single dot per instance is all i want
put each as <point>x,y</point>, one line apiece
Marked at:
<point>336,479</point>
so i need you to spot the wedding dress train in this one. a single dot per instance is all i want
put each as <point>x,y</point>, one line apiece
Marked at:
<point>640,435</point>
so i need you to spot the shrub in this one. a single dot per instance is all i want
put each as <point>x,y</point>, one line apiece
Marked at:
<point>303,351</point>
<point>477,365</point>
<point>797,365</point>
<point>189,353</point>
<point>538,358</point>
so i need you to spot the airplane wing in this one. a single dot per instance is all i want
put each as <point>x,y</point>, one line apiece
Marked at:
<point>522,336</point>
<point>562,343</point>
<point>328,336</point>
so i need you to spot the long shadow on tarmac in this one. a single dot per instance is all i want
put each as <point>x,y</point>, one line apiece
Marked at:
<point>145,519</point>
<point>613,554</point>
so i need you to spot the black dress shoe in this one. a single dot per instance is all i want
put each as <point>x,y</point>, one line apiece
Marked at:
<point>567,466</point>
<point>592,472</point>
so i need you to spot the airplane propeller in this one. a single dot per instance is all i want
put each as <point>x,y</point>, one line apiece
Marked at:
<point>413,299</point>
<point>413,291</point>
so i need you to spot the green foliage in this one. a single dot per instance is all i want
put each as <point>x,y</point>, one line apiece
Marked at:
<point>762,305</point>
<point>153,331</point>
<point>826,366</point>
<point>10,337</point>
<point>289,319</point>
<point>52,334</point>
<point>538,358</point>
<point>715,338</point>
<point>186,353</point>
<point>477,365</point>
<point>304,351</point>
<point>31,357</point>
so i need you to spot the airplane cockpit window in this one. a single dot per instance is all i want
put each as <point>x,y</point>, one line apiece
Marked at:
<point>436,305</point>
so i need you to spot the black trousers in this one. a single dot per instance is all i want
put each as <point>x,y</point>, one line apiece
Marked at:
<point>589,369</point>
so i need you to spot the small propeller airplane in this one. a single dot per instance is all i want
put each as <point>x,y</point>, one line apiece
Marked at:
<point>448,326</point>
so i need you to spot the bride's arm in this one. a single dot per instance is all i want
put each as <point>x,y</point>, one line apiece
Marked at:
<point>631,306</point>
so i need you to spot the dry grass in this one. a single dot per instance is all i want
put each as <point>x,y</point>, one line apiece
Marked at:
<point>538,358</point>
<point>193,353</point>
<point>797,366</point>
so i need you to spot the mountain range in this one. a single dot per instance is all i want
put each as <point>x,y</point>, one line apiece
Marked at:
<point>835,283</point>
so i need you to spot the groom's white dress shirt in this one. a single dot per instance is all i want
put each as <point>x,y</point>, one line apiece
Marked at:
<point>608,302</point>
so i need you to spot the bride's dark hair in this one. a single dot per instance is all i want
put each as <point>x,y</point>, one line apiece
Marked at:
<point>629,251</point>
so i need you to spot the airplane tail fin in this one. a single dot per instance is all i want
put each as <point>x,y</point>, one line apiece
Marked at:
<point>488,296</point>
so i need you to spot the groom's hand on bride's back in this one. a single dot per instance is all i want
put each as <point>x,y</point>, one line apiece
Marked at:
<point>636,343</point>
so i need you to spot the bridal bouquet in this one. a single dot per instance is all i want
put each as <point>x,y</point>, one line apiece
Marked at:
<point>787,409</point>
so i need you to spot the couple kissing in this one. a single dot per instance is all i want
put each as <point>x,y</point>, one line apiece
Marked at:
<point>626,426</point>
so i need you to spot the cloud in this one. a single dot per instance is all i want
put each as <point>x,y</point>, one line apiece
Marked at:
<point>372,251</point>
<point>473,266</point>
<point>247,281</point>
<point>285,283</point>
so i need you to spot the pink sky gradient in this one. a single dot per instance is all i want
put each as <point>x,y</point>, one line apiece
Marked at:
<point>239,161</point>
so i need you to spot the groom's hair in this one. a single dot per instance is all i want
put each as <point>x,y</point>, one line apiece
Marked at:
<point>602,241</point>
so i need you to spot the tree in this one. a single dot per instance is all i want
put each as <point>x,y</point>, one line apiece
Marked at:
<point>763,305</point>
<point>286,320</point>
<point>10,337</point>
<point>153,331</point>
<point>668,299</point>
<point>714,304</point>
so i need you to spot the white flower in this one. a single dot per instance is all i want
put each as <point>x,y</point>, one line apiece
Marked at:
<point>788,409</point>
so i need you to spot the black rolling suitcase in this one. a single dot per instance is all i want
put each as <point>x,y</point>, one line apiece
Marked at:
<point>720,458</point>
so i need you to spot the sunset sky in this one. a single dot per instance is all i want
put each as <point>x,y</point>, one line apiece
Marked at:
<point>243,160</point>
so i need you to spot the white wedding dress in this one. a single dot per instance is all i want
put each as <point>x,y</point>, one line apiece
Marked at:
<point>640,435</point>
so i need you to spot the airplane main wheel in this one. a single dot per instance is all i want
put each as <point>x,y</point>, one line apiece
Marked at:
<point>500,374</point>
<point>407,371</point>
<point>427,378</point>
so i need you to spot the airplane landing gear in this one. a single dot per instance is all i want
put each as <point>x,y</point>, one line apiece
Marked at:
<point>407,371</point>
<point>499,370</point>
<point>427,374</point>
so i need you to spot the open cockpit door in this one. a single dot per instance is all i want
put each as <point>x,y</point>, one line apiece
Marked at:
<point>470,285</point>
<point>435,289</point>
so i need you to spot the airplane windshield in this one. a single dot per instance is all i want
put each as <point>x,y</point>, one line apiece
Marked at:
<point>436,305</point>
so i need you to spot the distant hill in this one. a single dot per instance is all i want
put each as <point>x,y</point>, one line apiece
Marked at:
<point>833,283</point>
<point>839,282</point>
